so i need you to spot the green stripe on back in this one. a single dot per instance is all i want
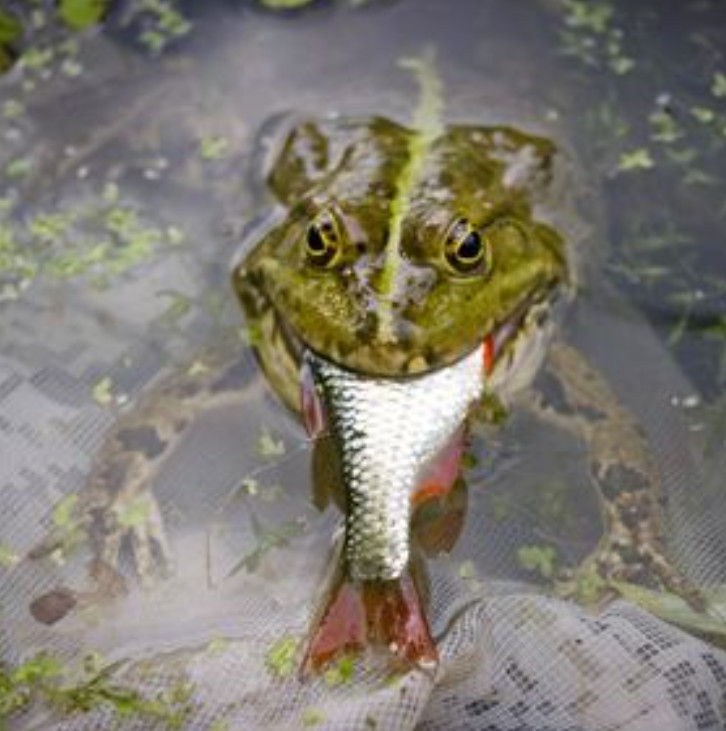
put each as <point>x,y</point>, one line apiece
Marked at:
<point>427,126</point>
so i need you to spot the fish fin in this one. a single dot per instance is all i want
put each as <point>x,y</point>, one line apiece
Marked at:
<point>396,619</point>
<point>340,629</point>
<point>327,477</point>
<point>441,474</point>
<point>386,614</point>
<point>438,523</point>
<point>311,405</point>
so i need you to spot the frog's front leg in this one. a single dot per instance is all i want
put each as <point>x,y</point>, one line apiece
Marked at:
<point>571,394</point>
<point>117,505</point>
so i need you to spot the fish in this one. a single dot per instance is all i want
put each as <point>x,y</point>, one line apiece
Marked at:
<point>400,443</point>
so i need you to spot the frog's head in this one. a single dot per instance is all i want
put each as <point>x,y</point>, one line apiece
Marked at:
<point>392,286</point>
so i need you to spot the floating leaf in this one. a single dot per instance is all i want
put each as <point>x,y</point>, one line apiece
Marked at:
<point>251,486</point>
<point>213,148</point>
<point>694,176</point>
<point>102,391</point>
<point>312,717</point>
<point>174,235</point>
<point>341,672</point>
<point>587,15</point>
<point>665,127</point>
<point>268,540</point>
<point>217,646</point>
<point>587,587</point>
<point>8,557</point>
<point>718,85</point>
<point>639,159</point>
<point>20,167</point>
<point>622,65</point>
<point>280,658</point>
<point>268,446</point>
<point>703,114</point>
<point>540,559</point>
<point>12,109</point>
<point>45,678</point>
<point>64,515</point>
<point>683,157</point>
<point>82,14</point>
<point>198,368</point>
<point>467,570</point>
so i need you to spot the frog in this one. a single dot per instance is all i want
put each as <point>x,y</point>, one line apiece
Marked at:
<point>319,281</point>
<point>394,280</point>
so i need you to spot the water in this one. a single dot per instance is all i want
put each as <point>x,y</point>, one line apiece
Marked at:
<point>129,179</point>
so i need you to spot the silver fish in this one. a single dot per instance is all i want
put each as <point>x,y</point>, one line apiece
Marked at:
<point>400,440</point>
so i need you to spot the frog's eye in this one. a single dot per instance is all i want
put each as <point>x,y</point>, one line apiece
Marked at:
<point>323,241</point>
<point>466,250</point>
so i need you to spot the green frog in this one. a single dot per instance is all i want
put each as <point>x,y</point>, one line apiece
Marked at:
<point>393,256</point>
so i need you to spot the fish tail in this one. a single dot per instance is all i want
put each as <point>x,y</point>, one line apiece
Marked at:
<point>380,614</point>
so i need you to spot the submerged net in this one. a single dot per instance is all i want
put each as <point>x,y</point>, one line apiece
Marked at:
<point>218,643</point>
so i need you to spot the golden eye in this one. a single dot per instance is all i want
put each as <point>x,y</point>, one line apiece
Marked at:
<point>466,250</point>
<point>323,241</point>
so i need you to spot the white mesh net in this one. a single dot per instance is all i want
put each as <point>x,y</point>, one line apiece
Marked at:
<point>216,648</point>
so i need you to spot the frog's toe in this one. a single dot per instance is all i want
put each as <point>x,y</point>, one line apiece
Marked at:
<point>151,555</point>
<point>142,555</point>
<point>138,527</point>
<point>151,551</point>
<point>674,580</point>
<point>647,565</point>
<point>596,580</point>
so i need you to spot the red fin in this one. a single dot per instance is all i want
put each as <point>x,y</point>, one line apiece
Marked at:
<point>340,630</point>
<point>490,354</point>
<point>438,524</point>
<point>441,475</point>
<point>385,614</point>
<point>311,405</point>
<point>396,619</point>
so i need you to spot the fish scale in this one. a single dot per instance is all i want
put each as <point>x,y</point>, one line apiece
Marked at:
<point>389,432</point>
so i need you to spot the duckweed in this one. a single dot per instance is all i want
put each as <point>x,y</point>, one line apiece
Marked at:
<point>70,690</point>
<point>269,446</point>
<point>82,14</point>
<point>341,672</point>
<point>280,658</point>
<point>538,559</point>
<point>639,159</point>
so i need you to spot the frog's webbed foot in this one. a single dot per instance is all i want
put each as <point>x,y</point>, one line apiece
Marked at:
<point>633,549</point>
<point>116,508</point>
<point>575,397</point>
<point>137,525</point>
<point>615,562</point>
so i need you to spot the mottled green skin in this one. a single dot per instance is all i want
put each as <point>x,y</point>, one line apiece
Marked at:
<point>490,175</point>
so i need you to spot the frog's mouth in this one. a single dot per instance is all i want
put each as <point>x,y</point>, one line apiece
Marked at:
<point>512,349</point>
<point>371,359</point>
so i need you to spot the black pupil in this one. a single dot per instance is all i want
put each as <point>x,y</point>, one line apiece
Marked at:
<point>470,247</point>
<point>315,240</point>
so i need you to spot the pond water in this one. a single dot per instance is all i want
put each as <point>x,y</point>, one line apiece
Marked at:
<point>131,157</point>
